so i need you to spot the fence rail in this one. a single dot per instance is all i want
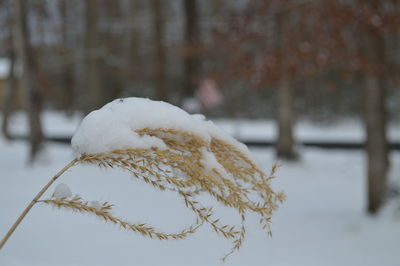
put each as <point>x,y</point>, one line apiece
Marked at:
<point>346,145</point>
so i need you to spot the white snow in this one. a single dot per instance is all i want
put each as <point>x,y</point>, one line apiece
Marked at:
<point>62,191</point>
<point>95,204</point>
<point>220,134</point>
<point>113,126</point>
<point>210,162</point>
<point>350,129</point>
<point>53,123</point>
<point>191,105</point>
<point>323,221</point>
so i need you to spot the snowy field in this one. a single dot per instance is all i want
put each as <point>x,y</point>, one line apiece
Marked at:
<point>322,222</point>
<point>346,130</point>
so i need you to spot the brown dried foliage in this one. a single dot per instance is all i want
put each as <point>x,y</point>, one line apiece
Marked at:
<point>238,184</point>
<point>77,204</point>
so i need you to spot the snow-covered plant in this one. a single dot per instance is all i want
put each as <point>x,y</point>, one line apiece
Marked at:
<point>169,149</point>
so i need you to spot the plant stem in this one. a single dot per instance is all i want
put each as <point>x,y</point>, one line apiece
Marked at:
<point>35,199</point>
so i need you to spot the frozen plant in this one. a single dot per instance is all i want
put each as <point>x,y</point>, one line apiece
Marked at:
<point>169,149</point>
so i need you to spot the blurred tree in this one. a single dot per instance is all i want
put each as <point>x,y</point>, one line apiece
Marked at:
<point>262,53</point>
<point>68,83</point>
<point>29,82</point>
<point>263,39</point>
<point>9,94</point>
<point>285,141</point>
<point>160,71</point>
<point>91,76</point>
<point>132,45</point>
<point>372,49</point>
<point>359,31</point>
<point>10,86</point>
<point>192,39</point>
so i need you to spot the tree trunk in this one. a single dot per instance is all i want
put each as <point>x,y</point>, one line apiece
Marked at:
<point>191,59</point>
<point>132,49</point>
<point>372,48</point>
<point>68,74</point>
<point>9,88</point>
<point>285,142</point>
<point>376,145</point>
<point>9,95</point>
<point>91,64</point>
<point>29,81</point>
<point>160,76</point>
<point>285,120</point>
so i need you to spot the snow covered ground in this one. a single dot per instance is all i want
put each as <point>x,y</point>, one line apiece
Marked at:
<point>322,222</point>
<point>347,130</point>
<point>56,124</point>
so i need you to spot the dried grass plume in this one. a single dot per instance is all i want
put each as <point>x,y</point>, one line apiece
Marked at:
<point>231,178</point>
